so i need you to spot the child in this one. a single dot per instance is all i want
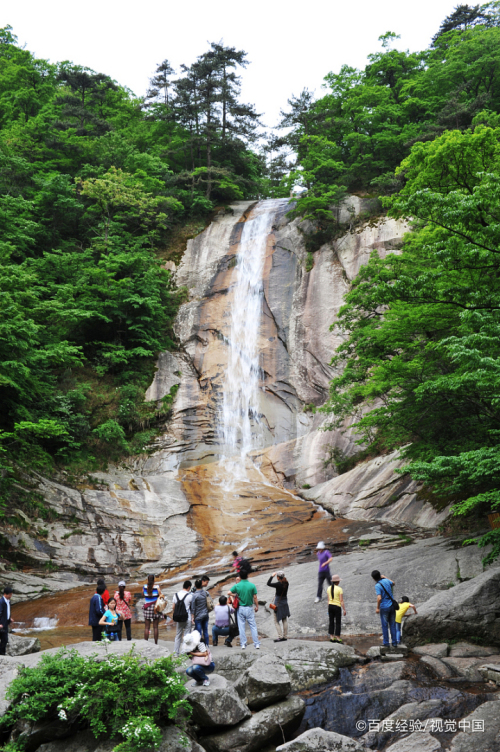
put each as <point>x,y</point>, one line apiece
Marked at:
<point>110,621</point>
<point>403,608</point>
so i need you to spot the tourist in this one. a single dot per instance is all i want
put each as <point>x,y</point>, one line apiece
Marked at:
<point>280,610</point>
<point>110,621</point>
<point>201,656</point>
<point>324,558</point>
<point>105,592</point>
<point>151,594</point>
<point>123,600</point>
<point>181,614</point>
<point>385,608</point>
<point>199,610</point>
<point>236,561</point>
<point>400,613</point>
<point>222,622</point>
<point>5,619</point>
<point>96,610</point>
<point>248,603</point>
<point>335,608</point>
<point>205,579</point>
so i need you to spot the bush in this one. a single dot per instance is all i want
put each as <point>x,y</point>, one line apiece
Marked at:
<point>122,697</point>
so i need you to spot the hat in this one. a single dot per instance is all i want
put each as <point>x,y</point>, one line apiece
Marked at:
<point>335,578</point>
<point>280,573</point>
<point>122,583</point>
<point>320,545</point>
<point>190,641</point>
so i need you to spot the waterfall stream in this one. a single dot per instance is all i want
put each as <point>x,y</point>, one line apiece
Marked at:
<point>239,418</point>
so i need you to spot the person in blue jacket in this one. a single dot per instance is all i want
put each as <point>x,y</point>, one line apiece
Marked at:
<point>96,611</point>
<point>385,608</point>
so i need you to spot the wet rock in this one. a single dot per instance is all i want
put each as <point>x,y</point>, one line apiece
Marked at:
<point>436,651</point>
<point>318,740</point>
<point>437,667</point>
<point>22,645</point>
<point>398,721</point>
<point>470,607</point>
<point>486,716</point>
<point>466,650</point>
<point>217,705</point>
<point>262,727</point>
<point>267,681</point>
<point>419,741</point>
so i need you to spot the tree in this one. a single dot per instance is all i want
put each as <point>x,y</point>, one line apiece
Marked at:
<point>463,17</point>
<point>160,84</point>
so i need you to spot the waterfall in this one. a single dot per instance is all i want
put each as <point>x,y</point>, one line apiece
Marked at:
<point>239,419</point>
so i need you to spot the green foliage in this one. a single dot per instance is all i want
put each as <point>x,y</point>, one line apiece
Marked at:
<point>424,329</point>
<point>121,697</point>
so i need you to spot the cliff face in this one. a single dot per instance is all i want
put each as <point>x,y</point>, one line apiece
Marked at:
<point>174,504</point>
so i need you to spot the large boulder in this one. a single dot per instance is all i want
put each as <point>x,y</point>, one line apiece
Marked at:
<point>318,740</point>
<point>260,729</point>
<point>217,705</point>
<point>438,650</point>
<point>18,645</point>
<point>419,741</point>
<point>266,681</point>
<point>481,730</point>
<point>437,667</point>
<point>473,607</point>
<point>313,663</point>
<point>411,711</point>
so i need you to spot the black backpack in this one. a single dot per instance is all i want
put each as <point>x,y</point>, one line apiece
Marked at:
<point>180,610</point>
<point>245,566</point>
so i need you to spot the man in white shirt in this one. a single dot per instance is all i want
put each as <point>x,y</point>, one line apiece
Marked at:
<point>182,616</point>
<point>5,618</point>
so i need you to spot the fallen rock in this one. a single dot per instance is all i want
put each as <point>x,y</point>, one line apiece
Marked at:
<point>261,728</point>
<point>466,650</point>
<point>438,650</point>
<point>419,741</point>
<point>437,667</point>
<point>267,681</point>
<point>470,607</point>
<point>487,717</point>
<point>18,645</point>
<point>310,664</point>
<point>217,705</point>
<point>317,740</point>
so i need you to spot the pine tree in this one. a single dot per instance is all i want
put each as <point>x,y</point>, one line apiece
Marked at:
<point>160,84</point>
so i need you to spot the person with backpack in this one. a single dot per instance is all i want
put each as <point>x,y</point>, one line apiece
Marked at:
<point>199,609</point>
<point>181,614</point>
<point>386,607</point>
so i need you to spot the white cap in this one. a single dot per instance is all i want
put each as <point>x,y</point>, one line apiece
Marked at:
<point>122,583</point>
<point>190,641</point>
<point>320,545</point>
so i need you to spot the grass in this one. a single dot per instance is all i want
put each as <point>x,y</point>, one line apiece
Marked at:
<point>364,542</point>
<point>306,485</point>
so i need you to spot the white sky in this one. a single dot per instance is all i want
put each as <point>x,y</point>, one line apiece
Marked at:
<point>290,45</point>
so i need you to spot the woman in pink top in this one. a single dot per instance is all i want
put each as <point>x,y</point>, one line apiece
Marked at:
<point>123,600</point>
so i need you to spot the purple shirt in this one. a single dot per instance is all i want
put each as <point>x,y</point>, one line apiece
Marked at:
<point>323,556</point>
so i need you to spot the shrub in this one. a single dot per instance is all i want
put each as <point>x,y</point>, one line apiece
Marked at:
<point>121,696</point>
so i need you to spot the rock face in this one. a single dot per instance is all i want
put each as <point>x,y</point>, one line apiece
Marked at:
<point>264,683</point>
<point>217,705</point>
<point>472,607</point>
<point>261,728</point>
<point>317,740</point>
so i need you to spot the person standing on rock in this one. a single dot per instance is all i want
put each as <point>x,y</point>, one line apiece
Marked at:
<point>181,614</point>
<point>96,611</point>
<point>151,594</point>
<point>247,608</point>
<point>383,588</point>
<point>5,619</point>
<point>335,608</point>
<point>324,559</point>
<point>203,664</point>
<point>400,613</point>
<point>199,609</point>
<point>280,605</point>
<point>123,600</point>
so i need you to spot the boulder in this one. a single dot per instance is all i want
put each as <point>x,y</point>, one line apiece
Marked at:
<point>318,740</point>
<point>18,645</point>
<point>438,650</point>
<point>234,663</point>
<point>374,651</point>
<point>309,664</point>
<point>8,672</point>
<point>471,607</point>
<point>466,667</point>
<point>419,741</point>
<point>481,730</point>
<point>85,742</point>
<point>217,705</point>
<point>437,667</point>
<point>411,711</point>
<point>267,681</point>
<point>175,741</point>
<point>261,728</point>
<point>490,672</point>
<point>466,650</point>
